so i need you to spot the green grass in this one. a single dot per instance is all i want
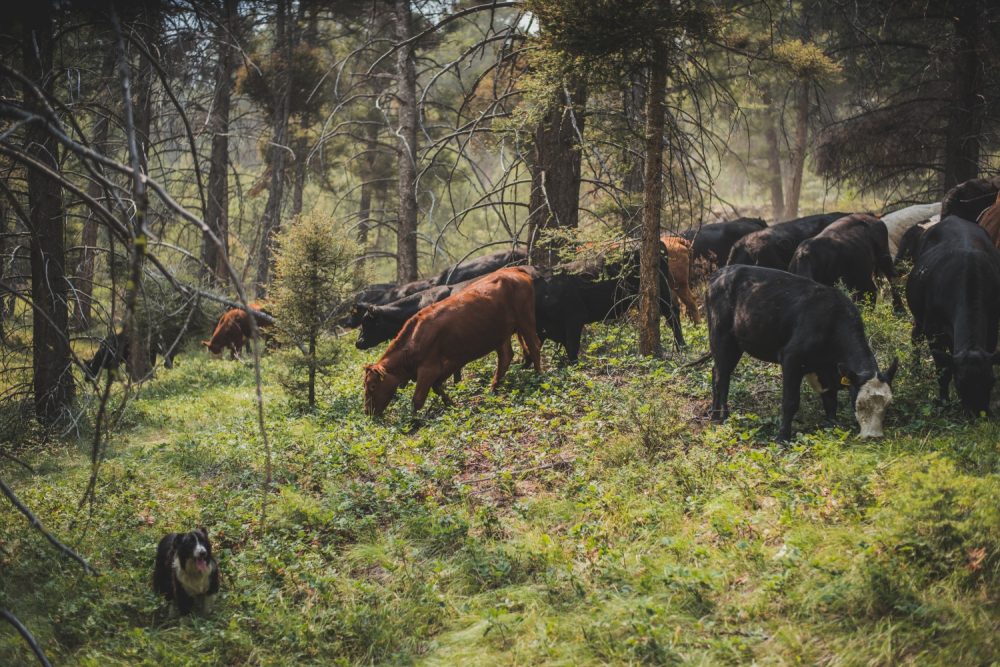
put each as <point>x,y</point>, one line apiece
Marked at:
<point>585,516</point>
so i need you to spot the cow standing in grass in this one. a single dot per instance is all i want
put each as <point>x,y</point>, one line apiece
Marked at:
<point>954,294</point>
<point>810,329</point>
<point>442,338</point>
<point>774,246</point>
<point>853,249</point>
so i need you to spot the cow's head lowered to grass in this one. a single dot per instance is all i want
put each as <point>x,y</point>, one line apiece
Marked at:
<point>871,396</point>
<point>380,388</point>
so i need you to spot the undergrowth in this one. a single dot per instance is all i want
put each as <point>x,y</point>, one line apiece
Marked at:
<point>586,515</point>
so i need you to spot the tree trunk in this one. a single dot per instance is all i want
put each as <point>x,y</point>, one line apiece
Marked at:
<point>633,103</point>
<point>649,258</point>
<point>406,98</point>
<point>53,377</point>
<point>773,158</point>
<point>312,371</point>
<point>797,153</point>
<point>367,186</point>
<point>139,359</point>
<point>299,182</point>
<point>84,288</point>
<point>217,208</point>
<point>965,120</point>
<point>555,173</point>
<point>277,153</point>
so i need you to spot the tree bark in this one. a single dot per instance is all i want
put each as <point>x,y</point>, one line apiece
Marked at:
<point>217,208</point>
<point>277,153</point>
<point>965,120</point>
<point>555,172</point>
<point>84,288</point>
<point>53,377</point>
<point>797,153</point>
<point>633,103</point>
<point>406,98</point>
<point>649,257</point>
<point>139,360</point>
<point>367,187</point>
<point>773,158</point>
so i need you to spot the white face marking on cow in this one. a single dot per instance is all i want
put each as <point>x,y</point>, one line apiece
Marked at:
<point>813,381</point>
<point>869,409</point>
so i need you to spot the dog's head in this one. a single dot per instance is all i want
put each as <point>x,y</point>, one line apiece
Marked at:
<point>194,551</point>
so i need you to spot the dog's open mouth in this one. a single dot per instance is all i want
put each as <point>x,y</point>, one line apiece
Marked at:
<point>201,564</point>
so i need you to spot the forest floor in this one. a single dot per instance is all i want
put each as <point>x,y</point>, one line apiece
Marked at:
<point>588,515</point>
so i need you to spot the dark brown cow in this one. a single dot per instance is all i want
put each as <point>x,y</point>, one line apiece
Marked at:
<point>679,276</point>
<point>445,336</point>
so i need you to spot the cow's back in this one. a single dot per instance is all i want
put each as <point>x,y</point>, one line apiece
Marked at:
<point>956,267</point>
<point>471,323</point>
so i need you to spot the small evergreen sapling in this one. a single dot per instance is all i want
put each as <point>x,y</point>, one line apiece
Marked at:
<point>313,276</point>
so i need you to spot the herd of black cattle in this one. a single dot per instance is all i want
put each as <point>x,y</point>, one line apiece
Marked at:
<point>772,293</point>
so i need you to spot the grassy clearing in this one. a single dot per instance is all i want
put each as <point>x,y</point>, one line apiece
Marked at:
<point>588,515</point>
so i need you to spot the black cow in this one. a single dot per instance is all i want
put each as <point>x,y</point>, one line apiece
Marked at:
<point>773,247</point>
<point>712,243</point>
<point>113,351</point>
<point>571,295</point>
<point>375,298</point>
<point>808,328</point>
<point>853,249</point>
<point>480,266</point>
<point>376,295</point>
<point>954,295</point>
<point>380,323</point>
<point>910,241</point>
<point>969,199</point>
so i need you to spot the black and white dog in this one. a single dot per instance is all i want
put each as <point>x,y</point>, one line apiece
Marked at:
<point>185,571</point>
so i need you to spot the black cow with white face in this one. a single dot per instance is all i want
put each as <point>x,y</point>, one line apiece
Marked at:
<point>774,247</point>
<point>712,243</point>
<point>854,249</point>
<point>572,295</point>
<point>812,330</point>
<point>954,294</point>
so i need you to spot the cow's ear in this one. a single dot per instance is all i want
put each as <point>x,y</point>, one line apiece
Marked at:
<point>847,374</point>
<point>890,373</point>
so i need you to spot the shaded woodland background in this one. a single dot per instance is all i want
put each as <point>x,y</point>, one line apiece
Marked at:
<point>151,152</point>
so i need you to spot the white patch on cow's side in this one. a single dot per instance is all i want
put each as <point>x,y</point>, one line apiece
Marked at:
<point>813,381</point>
<point>873,398</point>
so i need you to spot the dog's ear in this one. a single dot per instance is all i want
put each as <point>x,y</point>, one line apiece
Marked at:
<point>203,531</point>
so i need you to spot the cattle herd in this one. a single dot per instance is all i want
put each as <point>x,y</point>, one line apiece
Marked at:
<point>772,292</point>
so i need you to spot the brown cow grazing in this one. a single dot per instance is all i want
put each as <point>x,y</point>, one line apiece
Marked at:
<point>234,331</point>
<point>679,276</point>
<point>445,336</point>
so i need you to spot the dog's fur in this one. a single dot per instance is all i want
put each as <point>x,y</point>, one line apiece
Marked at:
<point>185,571</point>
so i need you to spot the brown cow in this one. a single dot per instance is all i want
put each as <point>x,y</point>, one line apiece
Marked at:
<point>233,331</point>
<point>445,336</point>
<point>990,221</point>
<point>679,278</point>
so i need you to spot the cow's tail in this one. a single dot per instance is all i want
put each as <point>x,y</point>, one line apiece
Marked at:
<point>699,361</point>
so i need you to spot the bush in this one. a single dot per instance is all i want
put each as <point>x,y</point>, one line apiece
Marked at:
<point>313,275</point>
